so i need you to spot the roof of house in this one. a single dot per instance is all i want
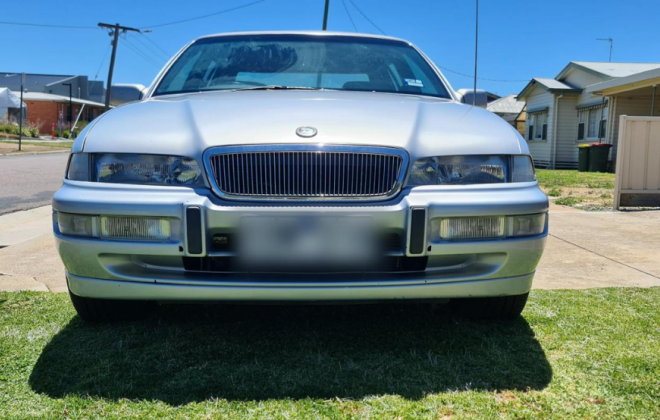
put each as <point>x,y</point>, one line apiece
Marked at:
<point>506,105</point>
<point>49,97</point>
<point>608,69</point>
<point>8,99</point>
<point>634,81</point>
<point>33,79</point>
<point>551,85</point>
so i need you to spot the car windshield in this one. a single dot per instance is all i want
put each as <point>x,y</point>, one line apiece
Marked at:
<point>301,62</point>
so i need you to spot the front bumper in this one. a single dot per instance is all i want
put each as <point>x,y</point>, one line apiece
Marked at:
<point>139,270</point>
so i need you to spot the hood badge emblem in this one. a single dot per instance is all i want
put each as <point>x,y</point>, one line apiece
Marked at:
<point>306,131</point>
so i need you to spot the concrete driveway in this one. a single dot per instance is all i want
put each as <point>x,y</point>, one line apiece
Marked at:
<point>585,250</point>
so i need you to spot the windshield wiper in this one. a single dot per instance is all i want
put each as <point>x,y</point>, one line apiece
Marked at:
<point>278,87</point>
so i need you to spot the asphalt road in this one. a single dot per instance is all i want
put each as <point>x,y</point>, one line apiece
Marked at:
<point>30,181</point>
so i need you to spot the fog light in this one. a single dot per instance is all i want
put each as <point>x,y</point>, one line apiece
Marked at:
<point>527,225</point>
<point>135,228</point>
<point>77,224</point>
<point>472,227</point>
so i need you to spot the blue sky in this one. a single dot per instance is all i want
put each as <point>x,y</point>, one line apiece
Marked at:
<point>518,39</point>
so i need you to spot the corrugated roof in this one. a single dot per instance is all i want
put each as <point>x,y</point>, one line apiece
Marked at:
<point>617,69</point>
<point>32,80</point>
<point>553,84</point>
<point>548,84</point>
<point>507,105</point>
<point>49,97</point>
<point>636,81</point>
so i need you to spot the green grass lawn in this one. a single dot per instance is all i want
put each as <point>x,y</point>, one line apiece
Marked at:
<point>571,178</point>
<point>585,190</point>
<point>575,354</point>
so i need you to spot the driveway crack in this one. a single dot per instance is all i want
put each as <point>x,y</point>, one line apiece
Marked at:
<point>604,256</point>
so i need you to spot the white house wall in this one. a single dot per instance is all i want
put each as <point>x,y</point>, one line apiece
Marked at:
<point>540,149</point>
<point>567,128</point>
<point>581,79</point>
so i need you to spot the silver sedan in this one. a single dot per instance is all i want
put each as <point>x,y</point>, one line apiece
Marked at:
<point>295,167</point>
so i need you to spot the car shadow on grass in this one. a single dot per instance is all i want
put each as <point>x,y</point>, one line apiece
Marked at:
<point>189,353</point>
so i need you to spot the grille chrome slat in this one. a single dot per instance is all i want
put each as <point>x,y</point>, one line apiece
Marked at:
<point>306,172</point>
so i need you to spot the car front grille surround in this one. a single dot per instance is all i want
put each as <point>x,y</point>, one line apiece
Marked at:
<point>306,172</point>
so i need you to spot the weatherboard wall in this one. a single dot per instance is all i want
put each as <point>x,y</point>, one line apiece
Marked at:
<point>581,79</point>
<point>567,124</point>
<point>540,149</point>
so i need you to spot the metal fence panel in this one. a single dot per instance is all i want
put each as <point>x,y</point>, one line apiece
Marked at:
<point>638,162</point>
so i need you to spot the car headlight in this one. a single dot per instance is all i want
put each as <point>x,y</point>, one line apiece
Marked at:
<point>472,169</point>
<point>122,168</point>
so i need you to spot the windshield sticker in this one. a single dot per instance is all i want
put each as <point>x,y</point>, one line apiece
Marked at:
<point>414,82</point>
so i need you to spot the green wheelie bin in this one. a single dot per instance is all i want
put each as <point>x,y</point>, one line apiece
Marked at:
<point>598,154</point>
<point>583,157</point>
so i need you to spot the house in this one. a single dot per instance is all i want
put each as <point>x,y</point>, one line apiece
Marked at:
<point>511,110</point>
<point>57,84</point>
<point>48,109</point>
<point>633,95</point>
<point>563,112</point>
<point>47,97</point>
<point>10,105</point>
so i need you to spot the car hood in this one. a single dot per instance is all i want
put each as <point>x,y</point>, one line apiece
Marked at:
<point>188,124</point>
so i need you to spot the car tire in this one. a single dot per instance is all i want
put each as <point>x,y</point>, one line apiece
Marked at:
<point>495,308</point>
<point>107,310</point>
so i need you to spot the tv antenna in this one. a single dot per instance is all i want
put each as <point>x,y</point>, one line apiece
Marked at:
<point>611,41</point>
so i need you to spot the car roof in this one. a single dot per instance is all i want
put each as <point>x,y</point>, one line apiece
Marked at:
<point>323,33</point>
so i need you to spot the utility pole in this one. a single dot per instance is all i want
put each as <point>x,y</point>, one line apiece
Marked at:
<point>20,115</point>
<point>325,15</point>
<point>115,33</point>
<point>611,41</point>
<point>476,55</point>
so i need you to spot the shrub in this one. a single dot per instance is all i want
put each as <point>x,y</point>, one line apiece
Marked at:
<point>29,129</point>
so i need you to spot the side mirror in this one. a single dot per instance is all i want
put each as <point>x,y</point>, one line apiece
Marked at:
<point>121,94</point>
<point>144,92</point>
<point>470,96</point>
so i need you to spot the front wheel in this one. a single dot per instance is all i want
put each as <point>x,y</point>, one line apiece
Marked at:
<point>107,310</point>
<point>500,307</point>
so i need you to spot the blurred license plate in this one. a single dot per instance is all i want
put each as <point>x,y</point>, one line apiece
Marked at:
<point>307,240</point>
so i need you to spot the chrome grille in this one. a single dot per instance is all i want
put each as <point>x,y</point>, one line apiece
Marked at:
<point>306,172</point>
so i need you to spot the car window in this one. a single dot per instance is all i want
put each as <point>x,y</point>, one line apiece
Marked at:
<point>322,62</point>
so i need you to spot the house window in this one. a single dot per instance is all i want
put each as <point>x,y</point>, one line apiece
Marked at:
<point>594,118</point>
<point>603,123</point>
<point>592,123</point>
<point>582,119</point>
<point>538,126</point>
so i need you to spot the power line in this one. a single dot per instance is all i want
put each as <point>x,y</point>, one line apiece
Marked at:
<point>151,49</point>
<point>156,45</point>
<point>42,25</point>
<point>471,76</point>
<point>105,55</point>
<point>96,75</point>
<point>349,15</point>
<point>139,53</point>
<point>176,22</point>
<point>443,68</point>
<point>156,59</point>
<point>365,16</point>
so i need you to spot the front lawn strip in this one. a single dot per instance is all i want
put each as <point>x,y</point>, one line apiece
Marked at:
<point>575,354</point>
<point>582,190</point>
